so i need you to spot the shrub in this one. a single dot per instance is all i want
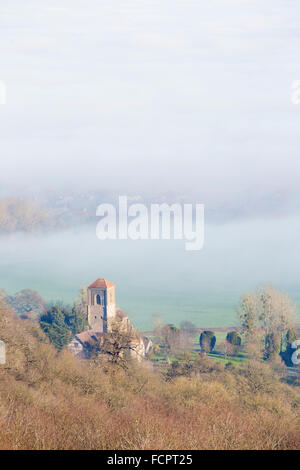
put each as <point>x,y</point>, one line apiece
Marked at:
<point>207,341</point>
<point>180,368</point>
<point>234,338</point>
<point>272,346</point>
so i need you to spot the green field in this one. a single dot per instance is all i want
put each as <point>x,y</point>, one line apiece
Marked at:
<point>150,278</point>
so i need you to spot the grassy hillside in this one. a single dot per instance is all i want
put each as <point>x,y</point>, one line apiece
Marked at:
<point>48,400</point>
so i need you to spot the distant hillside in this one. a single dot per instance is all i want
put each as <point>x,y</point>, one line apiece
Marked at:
<point>23,215</point>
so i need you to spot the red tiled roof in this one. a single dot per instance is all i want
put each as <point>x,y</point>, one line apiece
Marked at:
<point>101,284</point>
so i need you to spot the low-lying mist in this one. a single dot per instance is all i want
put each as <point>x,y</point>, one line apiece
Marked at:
<point>159,276</point>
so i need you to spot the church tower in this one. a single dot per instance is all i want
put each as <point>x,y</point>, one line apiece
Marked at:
<point>101,308</point>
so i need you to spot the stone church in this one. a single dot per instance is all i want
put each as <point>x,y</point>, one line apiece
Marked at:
<point>101,308</point>
<point>101,314</point>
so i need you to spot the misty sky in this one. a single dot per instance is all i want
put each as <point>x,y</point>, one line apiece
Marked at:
<point>184,95</point>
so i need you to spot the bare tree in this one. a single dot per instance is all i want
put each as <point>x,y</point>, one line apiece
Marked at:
<point>169,335</point>
<point>226,348</point>
<point>266,310</point>
<point>277,312</point>
<point>81,301</point>
<point>118,344</point>
<point>248,314</point>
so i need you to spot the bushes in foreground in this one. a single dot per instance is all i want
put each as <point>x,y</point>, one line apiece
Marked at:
<point>49,400</point>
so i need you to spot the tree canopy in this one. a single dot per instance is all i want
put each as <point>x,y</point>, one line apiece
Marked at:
<point>61,324</point>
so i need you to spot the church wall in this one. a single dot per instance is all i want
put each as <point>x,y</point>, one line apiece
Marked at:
<point>101,316</point>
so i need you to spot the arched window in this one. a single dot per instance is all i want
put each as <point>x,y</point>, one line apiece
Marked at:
<point>98,299</point>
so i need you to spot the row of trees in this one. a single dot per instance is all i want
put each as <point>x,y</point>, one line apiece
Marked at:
<point>267,327</point>
<point>172,340</point>
<point>230,346</point>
